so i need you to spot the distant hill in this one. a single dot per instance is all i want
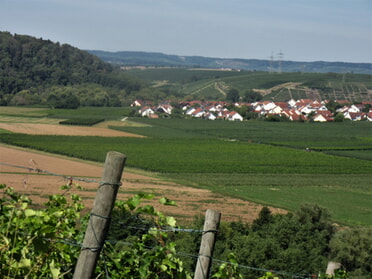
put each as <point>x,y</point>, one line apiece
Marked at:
<point>138,58</point>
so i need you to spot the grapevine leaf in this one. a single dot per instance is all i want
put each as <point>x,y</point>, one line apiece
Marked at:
<point>30,212</point>
<point>24,263</point>
<point>166,201</point>
<point>54,270</point>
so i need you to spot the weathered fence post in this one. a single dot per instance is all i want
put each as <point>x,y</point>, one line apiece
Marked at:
<point>211,224</point>
<point>99,220</point>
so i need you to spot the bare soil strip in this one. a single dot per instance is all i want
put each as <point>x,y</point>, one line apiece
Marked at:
<point>190,201</point>
<point>46,129</point>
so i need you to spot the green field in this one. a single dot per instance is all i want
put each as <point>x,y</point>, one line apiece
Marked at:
<point>259,161</point>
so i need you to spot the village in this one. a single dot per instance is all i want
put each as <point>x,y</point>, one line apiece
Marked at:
<point>293,110</point>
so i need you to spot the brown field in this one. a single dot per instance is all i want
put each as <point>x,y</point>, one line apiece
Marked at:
<point>47,129</point>
<point>190,201</point>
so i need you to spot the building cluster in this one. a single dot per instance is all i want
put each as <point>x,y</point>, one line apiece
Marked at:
<point>293,110</point>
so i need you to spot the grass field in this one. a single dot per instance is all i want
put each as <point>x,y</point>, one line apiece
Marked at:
<point>263,162</point>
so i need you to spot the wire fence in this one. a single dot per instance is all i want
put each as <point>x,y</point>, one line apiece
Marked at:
<point>215,261</point>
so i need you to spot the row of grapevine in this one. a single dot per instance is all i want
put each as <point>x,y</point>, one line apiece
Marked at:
<point>194,156</point>
<point>82,121</point>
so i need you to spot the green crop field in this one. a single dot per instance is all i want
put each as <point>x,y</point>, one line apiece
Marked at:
<point>263,162</point>
<point>327,137</point>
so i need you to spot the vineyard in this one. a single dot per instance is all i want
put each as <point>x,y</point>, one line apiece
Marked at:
<point>260,162</point>
<point>202,84</point>
<point>285,165</point>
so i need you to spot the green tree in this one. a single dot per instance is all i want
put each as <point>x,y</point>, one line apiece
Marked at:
<point>339,117</point>
<point>353,249</point>
<point>251,96</point>
<point>233,95</point>
<point>332,106</point>
<point>367,108</point>
<point>264,218</point>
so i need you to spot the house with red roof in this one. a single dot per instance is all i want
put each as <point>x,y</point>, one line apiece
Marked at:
<point>233,116</point>
<point>354,116</point>
<point>323,116</point>
<point>369,116</point>
<point>146,111</point>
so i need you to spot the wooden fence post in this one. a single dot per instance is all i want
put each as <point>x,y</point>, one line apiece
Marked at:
<point>99,220</point>
<point>211,224</point>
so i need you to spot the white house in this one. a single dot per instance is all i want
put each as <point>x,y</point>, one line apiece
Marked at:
<point>146,111</point>
<point>198,113</point>
<point>306,110</point>
<point>354,116</point>
<point>211,108</point>
<point>291,103</point>
<point>164,109</point>
<point>323,116</point>
<point>369,116</point>
<point>210,116</point>
<point>353,108</point>
<point>276,110</point>
<point>190,110</point>
<point>293,114</point>
<point>137,103</point>
<point>268,105</point>
<point>234,116</point>
<point>322,108</point>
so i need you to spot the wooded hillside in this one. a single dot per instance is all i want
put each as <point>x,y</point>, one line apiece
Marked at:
<point>32,64</point>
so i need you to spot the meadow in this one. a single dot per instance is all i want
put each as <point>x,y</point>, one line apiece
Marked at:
<point>259,161</point>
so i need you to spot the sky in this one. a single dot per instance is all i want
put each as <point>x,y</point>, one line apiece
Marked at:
<point>293,30</point>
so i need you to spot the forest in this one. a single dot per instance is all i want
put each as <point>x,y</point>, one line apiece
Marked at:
<point>37,71</point>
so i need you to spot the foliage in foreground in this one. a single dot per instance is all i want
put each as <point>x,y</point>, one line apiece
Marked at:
<point>45,243</point>
<point>38,243</point>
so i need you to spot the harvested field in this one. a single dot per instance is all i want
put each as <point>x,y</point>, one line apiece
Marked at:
<point>190,201</point>
<point>46,129</point>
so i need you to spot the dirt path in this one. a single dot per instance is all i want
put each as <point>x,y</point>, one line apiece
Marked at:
<point>190,201</point>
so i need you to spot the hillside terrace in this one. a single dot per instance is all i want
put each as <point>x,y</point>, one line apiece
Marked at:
<point>293,110</point>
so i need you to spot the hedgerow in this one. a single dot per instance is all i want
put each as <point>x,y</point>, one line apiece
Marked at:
<point>82,121</point>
